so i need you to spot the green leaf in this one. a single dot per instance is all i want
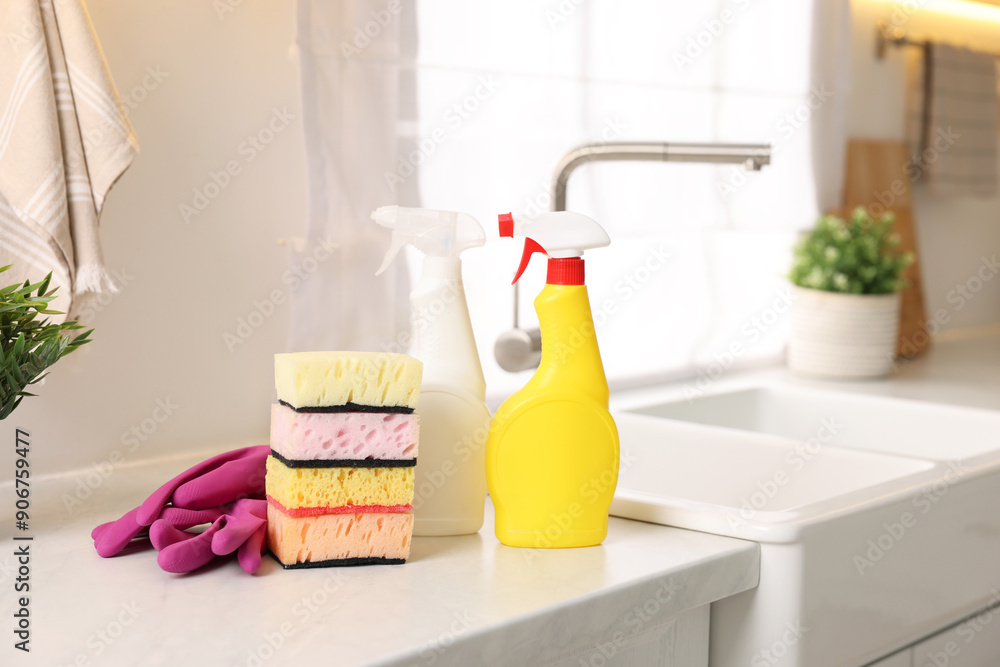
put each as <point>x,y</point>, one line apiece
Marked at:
<point>29,342</point>
<point>854,256</point>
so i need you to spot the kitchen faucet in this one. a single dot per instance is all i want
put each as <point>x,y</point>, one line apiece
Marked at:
<point>521,349</point>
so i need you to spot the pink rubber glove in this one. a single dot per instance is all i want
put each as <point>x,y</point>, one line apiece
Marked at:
<point>221,479</point>
<point>241,526</point>
<point>238,478</point>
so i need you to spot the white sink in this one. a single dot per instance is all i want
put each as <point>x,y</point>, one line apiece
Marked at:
<point>878,518</point>
<point>693,476</point>
<point>888,425</point>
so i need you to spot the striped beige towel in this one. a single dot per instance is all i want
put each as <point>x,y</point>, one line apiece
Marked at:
<point>64,141</point>
<point>952,119</point>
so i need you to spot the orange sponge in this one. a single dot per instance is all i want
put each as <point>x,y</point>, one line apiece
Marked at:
<point>338,539</point>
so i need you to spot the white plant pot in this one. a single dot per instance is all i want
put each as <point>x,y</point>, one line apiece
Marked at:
<point>843,335</point>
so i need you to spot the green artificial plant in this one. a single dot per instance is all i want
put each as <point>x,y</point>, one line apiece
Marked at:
<point>855,256</point>
<point>29,344</point>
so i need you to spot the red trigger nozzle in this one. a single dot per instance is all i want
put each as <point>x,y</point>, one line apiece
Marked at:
<point>531,246</point>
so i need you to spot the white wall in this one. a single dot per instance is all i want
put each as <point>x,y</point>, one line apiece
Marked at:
<point>160,340</point>
<point>954,233</point>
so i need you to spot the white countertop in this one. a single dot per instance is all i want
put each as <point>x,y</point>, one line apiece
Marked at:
<point>458,601</point>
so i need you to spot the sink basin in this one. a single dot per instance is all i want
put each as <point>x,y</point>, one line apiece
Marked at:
<point>725,473</point>
<point>878,518</point>
<point>887,425</point>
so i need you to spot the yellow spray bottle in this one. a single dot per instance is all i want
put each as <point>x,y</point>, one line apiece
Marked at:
<point>552,449</point>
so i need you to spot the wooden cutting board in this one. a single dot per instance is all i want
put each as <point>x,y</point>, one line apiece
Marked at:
<point>875,178</point>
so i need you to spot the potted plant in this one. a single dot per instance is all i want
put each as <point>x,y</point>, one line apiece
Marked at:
<point>845,314</point>
<point>29,345</point>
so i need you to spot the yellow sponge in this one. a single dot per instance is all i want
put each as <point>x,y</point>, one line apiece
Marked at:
<point>295,488</point>
<point>359,381</point>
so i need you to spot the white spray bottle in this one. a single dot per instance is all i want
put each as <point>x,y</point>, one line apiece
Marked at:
<point>450,484</point>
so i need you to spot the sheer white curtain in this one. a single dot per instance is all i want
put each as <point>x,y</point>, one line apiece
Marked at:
<point>698,253</point>
<point>357,92</point>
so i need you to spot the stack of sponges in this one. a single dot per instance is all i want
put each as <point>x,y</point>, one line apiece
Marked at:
<point>343,450</point>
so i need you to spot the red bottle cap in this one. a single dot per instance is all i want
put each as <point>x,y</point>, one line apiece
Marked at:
<point>565,271</point>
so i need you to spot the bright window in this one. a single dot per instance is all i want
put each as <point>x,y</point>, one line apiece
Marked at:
<point>695,269</point>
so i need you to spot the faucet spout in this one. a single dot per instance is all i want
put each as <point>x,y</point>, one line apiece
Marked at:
<point>752,156</point>
<point>518,349</point>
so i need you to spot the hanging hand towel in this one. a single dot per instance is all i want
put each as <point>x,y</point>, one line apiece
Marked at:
<point>952,120</point>
<point>64,141</point>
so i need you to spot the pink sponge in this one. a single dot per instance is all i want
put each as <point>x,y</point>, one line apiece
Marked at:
<point>343,436</point>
